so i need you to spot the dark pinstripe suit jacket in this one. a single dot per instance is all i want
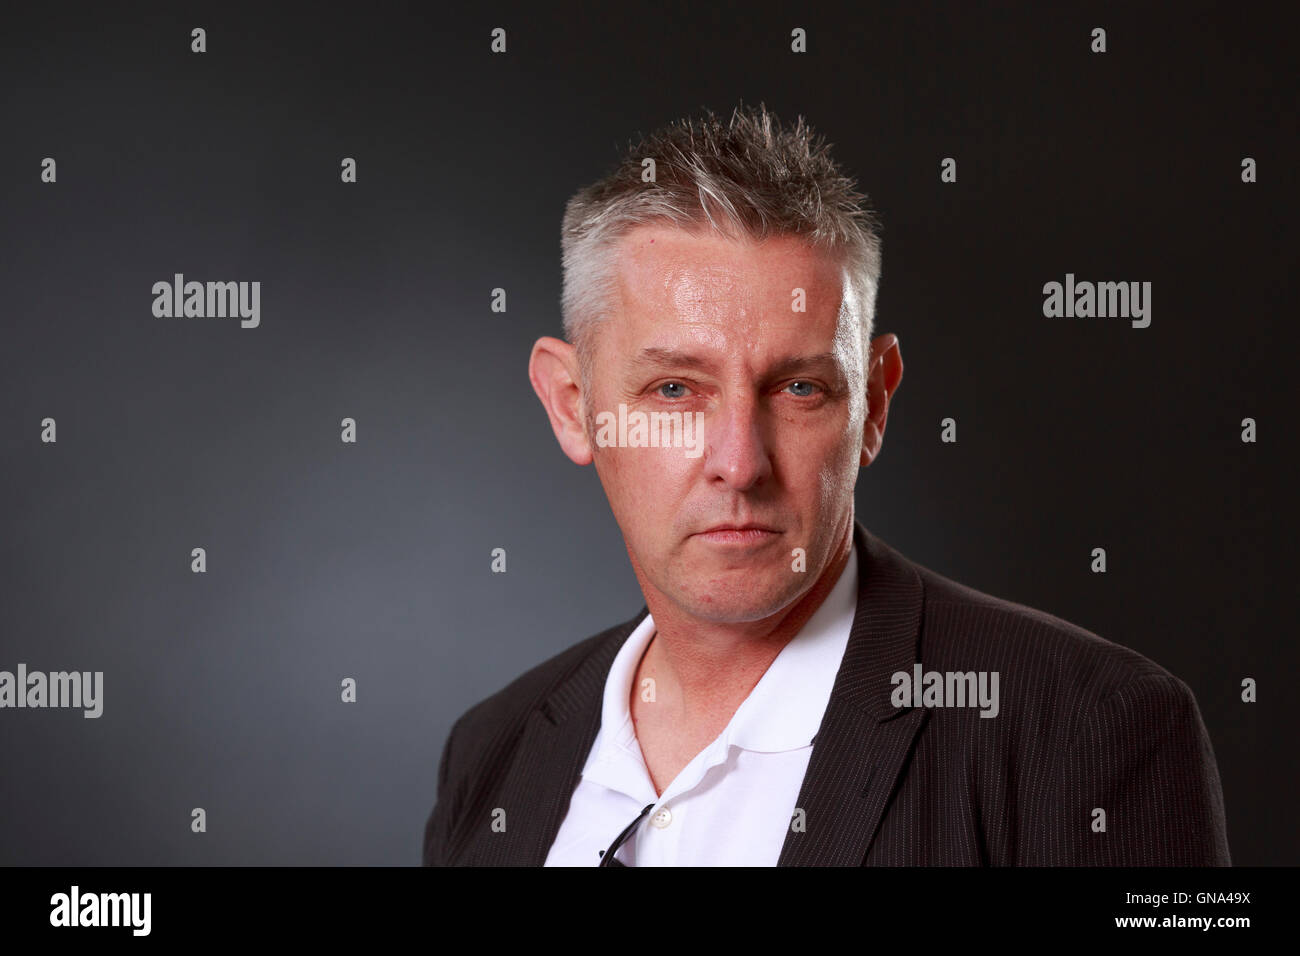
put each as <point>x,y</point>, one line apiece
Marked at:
<point>1083,724</point>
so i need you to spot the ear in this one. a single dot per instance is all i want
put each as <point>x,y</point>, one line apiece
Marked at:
<point>883,377</point>
<point>553,370</point>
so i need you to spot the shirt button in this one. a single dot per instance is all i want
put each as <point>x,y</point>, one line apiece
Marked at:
<point>662,818</point>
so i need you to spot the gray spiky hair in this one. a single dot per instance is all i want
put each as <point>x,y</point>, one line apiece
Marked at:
<point>749,177</point>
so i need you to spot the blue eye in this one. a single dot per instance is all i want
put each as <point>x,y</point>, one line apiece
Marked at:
<point>672,385</point>
<point>799,386</point>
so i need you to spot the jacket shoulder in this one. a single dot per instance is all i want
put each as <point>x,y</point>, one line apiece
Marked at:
<point>970,629</point>
<point>481,741</point>
<point>512,703</point>
<point>1087,724</point>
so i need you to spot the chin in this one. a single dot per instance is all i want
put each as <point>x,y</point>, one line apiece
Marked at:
<point>736,605</point>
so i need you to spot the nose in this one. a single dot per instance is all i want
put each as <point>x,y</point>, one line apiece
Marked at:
<point>737,451</point>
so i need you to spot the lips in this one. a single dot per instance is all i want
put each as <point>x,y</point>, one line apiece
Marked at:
<point>749,526</point>
<point>747,534</point>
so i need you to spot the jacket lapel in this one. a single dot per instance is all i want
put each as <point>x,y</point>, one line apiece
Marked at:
<point>863,741</point>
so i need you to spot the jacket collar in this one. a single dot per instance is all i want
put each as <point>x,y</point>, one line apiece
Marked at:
<point>857,755</point>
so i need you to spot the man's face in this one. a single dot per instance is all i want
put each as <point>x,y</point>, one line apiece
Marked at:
<point>705,324</point>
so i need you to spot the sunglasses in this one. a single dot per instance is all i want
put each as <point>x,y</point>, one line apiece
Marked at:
<point>607,856</point>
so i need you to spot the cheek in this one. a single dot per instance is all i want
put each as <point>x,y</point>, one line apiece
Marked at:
<point>838,470</point>
<point>820,450</point>
<point>645,482</point>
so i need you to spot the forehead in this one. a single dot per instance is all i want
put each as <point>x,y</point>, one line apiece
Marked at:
<point>667,272</point>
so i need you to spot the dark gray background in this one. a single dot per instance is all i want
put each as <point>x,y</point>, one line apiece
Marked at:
<point>371,560</point>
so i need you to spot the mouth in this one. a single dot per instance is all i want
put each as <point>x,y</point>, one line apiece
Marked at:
<point>744,534</point>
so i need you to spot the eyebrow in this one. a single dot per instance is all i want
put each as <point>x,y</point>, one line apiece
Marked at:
<point>656,357</point>
<point>670,358</point>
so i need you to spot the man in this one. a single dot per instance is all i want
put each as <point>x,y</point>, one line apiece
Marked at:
<point>795,692</point>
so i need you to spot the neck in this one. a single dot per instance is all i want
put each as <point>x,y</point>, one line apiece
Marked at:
<point>702,668</point>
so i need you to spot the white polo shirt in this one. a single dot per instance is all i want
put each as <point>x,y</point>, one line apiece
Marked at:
<point>732,804</point>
